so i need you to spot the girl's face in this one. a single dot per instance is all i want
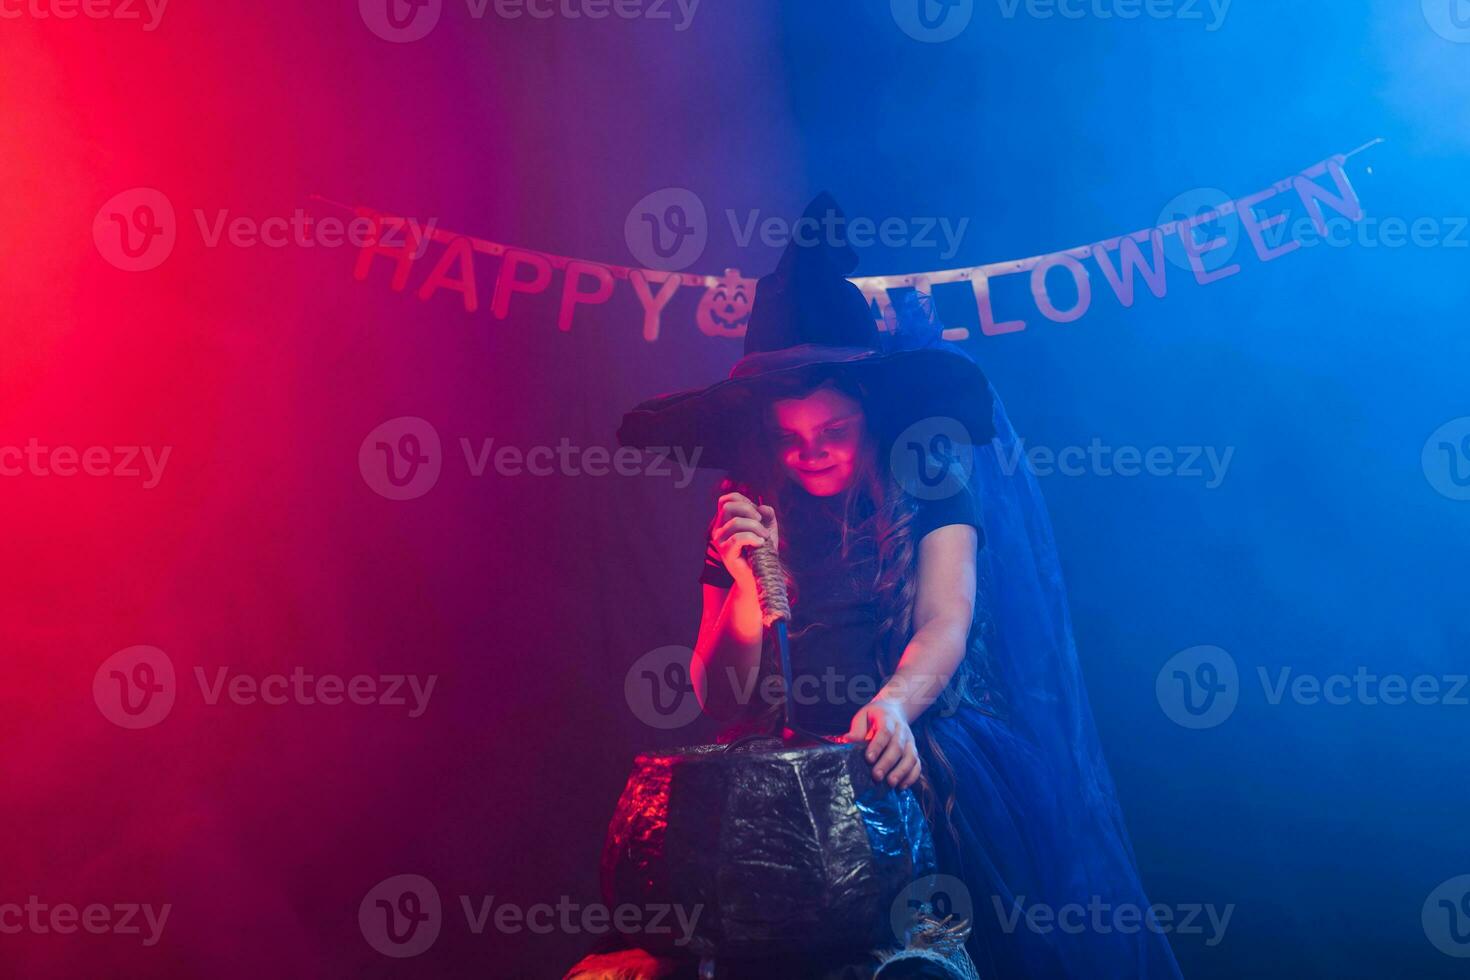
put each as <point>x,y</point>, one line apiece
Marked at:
<point>820,440</point>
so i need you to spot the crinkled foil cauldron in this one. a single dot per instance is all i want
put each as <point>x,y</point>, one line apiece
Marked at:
<point>776,850</point>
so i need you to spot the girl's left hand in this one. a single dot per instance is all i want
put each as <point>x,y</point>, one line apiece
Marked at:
<point>892,750</point>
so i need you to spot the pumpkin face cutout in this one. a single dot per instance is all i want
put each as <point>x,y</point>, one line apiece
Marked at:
<point>724,310</point>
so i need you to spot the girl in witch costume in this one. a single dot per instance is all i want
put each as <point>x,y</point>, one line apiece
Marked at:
<point>929,617</point>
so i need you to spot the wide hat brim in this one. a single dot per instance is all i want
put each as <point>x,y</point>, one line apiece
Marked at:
<point>903,388</point>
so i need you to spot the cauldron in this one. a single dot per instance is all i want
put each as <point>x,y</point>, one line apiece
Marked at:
<point>767,849</point>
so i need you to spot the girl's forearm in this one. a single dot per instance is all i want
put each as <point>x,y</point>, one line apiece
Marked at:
<point>928,662</point>
<point>727,655</point>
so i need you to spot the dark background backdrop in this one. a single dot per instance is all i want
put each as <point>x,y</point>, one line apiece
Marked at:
<point>1325,549</point>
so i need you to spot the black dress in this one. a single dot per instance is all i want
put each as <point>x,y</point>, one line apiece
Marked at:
<point>1021,834</point>
<point>834,611</point>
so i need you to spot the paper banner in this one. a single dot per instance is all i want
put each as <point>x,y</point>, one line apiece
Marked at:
<point>724,306</point>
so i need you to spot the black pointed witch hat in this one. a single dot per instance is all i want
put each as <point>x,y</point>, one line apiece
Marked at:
<point>810,324</point>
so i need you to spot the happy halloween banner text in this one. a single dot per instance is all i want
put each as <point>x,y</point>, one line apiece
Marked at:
<point>401,246</point>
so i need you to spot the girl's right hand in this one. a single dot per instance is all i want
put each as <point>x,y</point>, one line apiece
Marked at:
<point>740,524</point>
